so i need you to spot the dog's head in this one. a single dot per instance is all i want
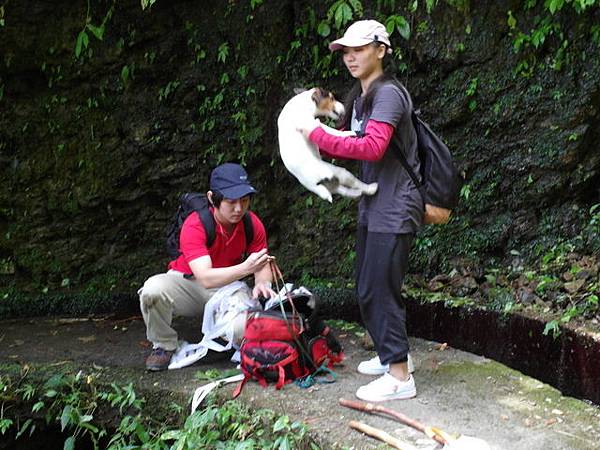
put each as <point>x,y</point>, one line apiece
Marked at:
<point>326,104</point>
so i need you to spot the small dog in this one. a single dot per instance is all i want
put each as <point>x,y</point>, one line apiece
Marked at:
<point>301,157</point>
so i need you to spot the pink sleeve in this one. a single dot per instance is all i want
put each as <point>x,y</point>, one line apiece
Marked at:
<point>370,147</point>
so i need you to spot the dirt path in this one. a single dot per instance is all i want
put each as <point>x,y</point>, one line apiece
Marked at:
<point>457,391</point>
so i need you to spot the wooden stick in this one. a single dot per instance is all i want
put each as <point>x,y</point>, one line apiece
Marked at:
<point>373,409</point>
<point>381,435</point>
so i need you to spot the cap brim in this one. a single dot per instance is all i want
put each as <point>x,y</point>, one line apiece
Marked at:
<point>348,42</point>
<point>239,191</point>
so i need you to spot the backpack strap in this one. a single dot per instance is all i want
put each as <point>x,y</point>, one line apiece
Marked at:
<point>248,230</point>
<point>397,148</point>
<point>281,370</point>
<point>397,145</point>
<point>208,221</point>
<point>238,390</point>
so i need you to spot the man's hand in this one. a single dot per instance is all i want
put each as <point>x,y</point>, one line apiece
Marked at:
<point>257,261</point>
<point>263,290</point>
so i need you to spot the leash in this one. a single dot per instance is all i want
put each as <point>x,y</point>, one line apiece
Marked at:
<point>323,375</point>
<point>277,275</point>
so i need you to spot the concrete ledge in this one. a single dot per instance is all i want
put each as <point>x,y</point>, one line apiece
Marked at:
<point>569,362</point>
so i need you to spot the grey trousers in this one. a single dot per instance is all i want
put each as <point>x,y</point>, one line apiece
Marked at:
<point>170,294</point>
<point>381,264</point>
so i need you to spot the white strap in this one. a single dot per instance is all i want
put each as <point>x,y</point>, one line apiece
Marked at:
<point>219,315</point>
<point>201,393</point>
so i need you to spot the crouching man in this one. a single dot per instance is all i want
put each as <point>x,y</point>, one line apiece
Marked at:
<point>200,270</point>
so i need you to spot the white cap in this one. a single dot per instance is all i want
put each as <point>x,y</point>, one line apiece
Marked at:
<point>361,33</point>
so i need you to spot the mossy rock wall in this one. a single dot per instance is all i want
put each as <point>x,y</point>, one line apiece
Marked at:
<point>95,150</point>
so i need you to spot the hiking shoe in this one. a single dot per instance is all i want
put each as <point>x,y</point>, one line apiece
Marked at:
<point>387,387</point>
<point>373,366</point>
<point>158,359</point>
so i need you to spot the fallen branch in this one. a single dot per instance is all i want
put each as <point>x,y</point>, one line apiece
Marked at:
<point>449,441</point>
<point>381,435</point>
<point>374,409</point>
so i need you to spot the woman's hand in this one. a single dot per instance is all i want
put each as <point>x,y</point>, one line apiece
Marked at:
<point>308,127</point>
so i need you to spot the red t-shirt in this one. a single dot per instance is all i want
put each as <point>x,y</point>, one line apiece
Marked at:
<point>227,249</point>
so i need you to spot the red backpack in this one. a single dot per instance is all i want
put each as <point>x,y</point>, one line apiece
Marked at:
<point>283,346</point>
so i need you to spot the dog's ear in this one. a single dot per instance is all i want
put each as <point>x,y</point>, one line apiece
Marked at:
<point>299,90</point>
<point>319,95</point>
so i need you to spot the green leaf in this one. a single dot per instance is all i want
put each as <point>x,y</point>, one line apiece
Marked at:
<point>323,29</point>
<point>69,443</point>
<point>125,74</point>
<point>403,27</point>
<point>511,21</point>
<point>141,433</point>
<point>285,444</point>
<point>90,427</point>
<point>554,5</point>
<point>51,393</point>
<point>281,424</point>
<point>400,23</point>
<point>37,406</point>
<point>390,23</point>
<point>430,4</point>
<point>96,31</point>
<point>223,52</point>
<point>86,418</point>
<point>65,417</point>
<point>24,427</point>
<point>170,435</point>
<point>82,42</point>
<point>552,326</point>
<point>5,424</point>
<point>147,3</point>
<point>343,14</point>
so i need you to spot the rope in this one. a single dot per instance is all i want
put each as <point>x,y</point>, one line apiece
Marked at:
<point>276,273</point>
<point>323,375</point>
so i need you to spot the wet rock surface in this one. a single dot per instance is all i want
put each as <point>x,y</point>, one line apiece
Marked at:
<point>93,161</point>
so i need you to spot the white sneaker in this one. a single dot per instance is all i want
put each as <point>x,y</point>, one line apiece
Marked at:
<point>373,366</point>
<point>387,387</point>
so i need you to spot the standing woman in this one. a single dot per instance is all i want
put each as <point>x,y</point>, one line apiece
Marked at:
<point>379,110</point>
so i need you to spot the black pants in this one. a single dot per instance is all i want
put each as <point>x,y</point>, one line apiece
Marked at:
<point>381,264</point>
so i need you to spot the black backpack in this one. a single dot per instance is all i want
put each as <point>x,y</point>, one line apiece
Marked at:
<point>440,182</point>
<point>195,202</point>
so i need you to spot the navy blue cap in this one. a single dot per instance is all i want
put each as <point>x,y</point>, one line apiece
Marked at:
<point>231,180</point>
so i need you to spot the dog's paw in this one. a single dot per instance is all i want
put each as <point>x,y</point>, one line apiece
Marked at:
<point>148,302</point>
<point>323,191</point>
<point>307,126</point>
<point>371,189</point>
